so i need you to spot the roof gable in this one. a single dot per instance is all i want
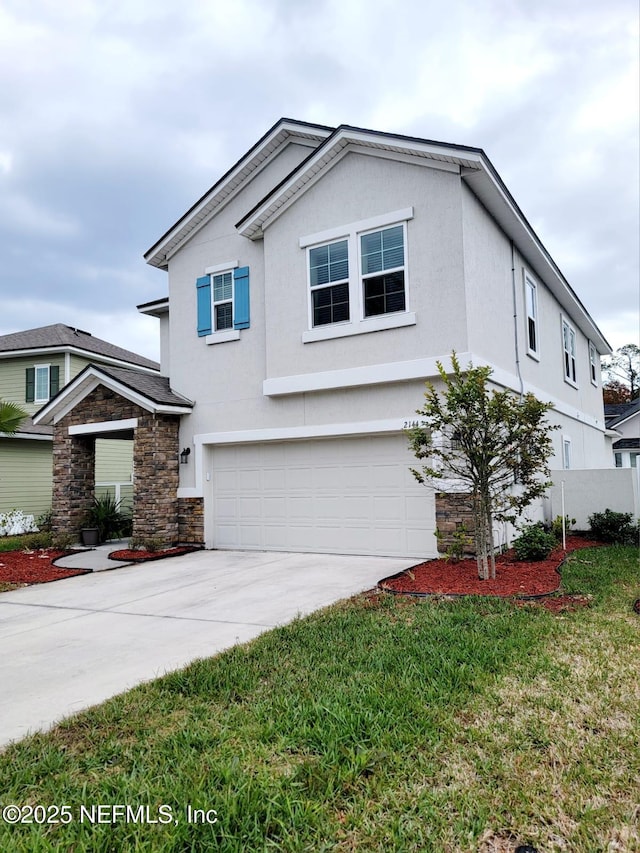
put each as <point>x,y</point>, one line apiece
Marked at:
<point>151,392</point>
<point>281,134</point>
<point>475,169</point>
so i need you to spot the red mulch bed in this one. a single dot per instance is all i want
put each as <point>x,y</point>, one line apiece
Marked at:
<point>513,577</point>
<point>138,555</point>
<point>29,567</point>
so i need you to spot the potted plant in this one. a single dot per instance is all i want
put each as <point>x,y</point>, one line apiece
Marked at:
<point>105,520</point>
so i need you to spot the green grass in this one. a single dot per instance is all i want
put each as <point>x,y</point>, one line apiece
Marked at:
<point>379,724</point>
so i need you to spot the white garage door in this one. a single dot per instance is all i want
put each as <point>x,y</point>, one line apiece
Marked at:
<point>338,495</point>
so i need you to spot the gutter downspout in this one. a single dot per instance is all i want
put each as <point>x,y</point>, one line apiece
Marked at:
<point>515,319</point>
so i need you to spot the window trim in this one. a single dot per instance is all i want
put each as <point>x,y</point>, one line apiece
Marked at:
<point>571,377</point>
<point>566,453</point>
<point>222,336</point>
<point>357,322</point>
<point>593,364</point>
<point>530,283</point>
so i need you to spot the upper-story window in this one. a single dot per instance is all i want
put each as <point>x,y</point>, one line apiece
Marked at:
<point>531,302</point>
<point>357,277</point>
<point>593,363</point>
<point>382,264</point>
<point>42,382</point>
<point>222,302</point>
<point>222,293</point>
<point>569,352</point>
<point>329,282</point>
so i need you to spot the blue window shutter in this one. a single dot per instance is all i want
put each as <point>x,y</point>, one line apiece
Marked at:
<point>241,298</point>
<point>30,391</point>
<point>203,289</point>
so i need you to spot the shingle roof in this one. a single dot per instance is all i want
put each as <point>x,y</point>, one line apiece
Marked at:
<point>154,387</point>
<point>27,427</point>
<point>59,336</point>
<point>615,413</point>
<point>626,444</point>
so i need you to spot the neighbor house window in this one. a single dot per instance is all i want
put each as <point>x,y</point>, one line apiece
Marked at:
<point>618,459</point>
<point>569,352</point>
<point>593,364</point>
<point>329,281</point>
<point>633,459</point>
<point>357,276</point>
<point>42,383</point>
<point>566,453</point>
<point>531,301</point>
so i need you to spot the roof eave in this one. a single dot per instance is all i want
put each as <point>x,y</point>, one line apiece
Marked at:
<point>89,379</point>
<point>244,169</point>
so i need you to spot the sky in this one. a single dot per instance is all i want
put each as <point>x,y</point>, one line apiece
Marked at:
<point>116,117</point>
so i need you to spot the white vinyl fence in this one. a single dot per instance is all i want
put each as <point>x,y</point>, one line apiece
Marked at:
<point>593,490</point>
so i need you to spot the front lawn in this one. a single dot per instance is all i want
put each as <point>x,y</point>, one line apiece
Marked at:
<point>379,724</point>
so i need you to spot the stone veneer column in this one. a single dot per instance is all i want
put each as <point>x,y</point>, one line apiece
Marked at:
<point>452,511</point>
<point>156,478</point>
<point>191,520</point>
<point>73,480</point>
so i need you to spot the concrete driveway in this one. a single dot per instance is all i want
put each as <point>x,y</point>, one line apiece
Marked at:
<point>76,642</point>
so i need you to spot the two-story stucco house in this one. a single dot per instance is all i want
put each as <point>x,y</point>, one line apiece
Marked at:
<point>34,366</point>
<point>311,292</point>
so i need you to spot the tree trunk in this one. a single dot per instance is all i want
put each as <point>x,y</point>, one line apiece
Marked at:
<point>490,542</point>
<point>482,540</point>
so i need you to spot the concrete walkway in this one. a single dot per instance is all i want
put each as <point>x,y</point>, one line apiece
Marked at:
<point>96,559</point>
<point>76,642</point>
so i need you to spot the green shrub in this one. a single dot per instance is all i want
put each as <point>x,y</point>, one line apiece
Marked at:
<point>44,521</point>
<point>107,515</point>
<point>610,526</point>
<point>534,543</point>
<point>556,526</point>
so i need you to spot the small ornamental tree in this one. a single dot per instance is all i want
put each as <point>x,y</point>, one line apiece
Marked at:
<point>490,443</point>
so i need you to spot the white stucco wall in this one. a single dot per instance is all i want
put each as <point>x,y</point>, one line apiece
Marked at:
<point>459,286</point>
<point>357,188</point>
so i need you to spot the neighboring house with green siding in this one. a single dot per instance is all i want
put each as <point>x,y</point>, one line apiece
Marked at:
<point>34,366</point>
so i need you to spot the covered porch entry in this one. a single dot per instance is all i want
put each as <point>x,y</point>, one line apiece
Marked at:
<point>116,403</point>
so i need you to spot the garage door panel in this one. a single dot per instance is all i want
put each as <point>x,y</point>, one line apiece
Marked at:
<point>339,495</point>
<point>273,479</point>
<point>388,508</point>
<point>275,508</point>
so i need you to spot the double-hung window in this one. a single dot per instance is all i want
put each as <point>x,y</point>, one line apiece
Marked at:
<point>222,294</point>
<point>329,281</point>
<point>382,261</point>
<point>222,302</point>
<point>357,277</point>
<point>569,352</point>
<point>531,302</point>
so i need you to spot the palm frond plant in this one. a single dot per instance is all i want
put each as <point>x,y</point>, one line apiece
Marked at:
<point>11,416</point>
